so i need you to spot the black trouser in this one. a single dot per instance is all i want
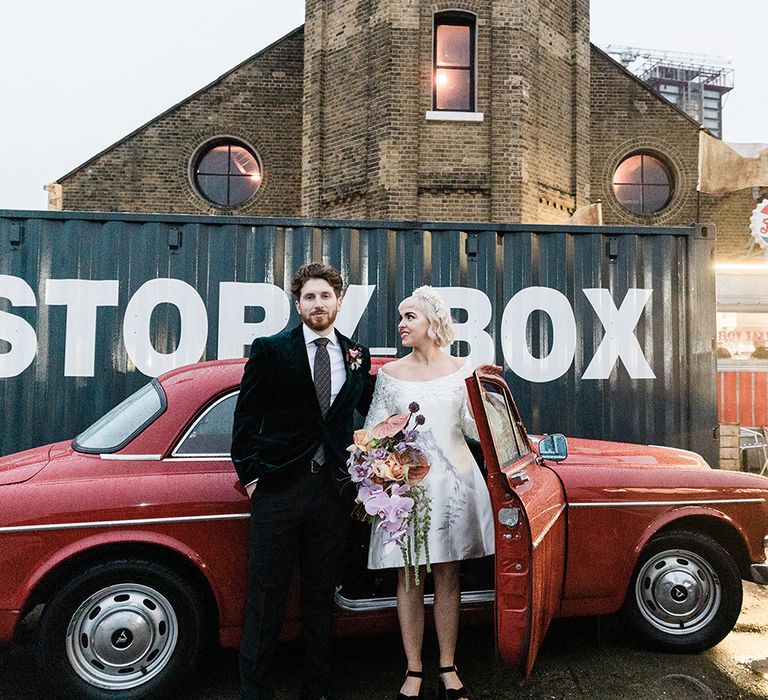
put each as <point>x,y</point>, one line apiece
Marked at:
<point>306,521</point>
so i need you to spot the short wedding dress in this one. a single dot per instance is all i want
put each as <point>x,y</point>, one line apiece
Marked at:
<point>462,520</point>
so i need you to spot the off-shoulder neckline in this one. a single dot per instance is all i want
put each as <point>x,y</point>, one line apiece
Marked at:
<point>425,381</point>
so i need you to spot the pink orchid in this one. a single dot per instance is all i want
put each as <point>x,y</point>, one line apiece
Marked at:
<point>399,508</point>
<point>395,539</point>
<point>368,491</point>
<point>399,489</point>
<point>377,503</point>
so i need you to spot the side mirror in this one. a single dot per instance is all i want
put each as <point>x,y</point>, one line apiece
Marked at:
<point>553,447</point>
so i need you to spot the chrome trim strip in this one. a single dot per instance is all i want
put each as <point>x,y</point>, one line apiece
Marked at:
<point>194,425</point>
<point>367,604</point>
<point>624,504</point>
<point>117,457</point>
<point>199,458</point>
<point>549,526</point>
<point>125,523</point>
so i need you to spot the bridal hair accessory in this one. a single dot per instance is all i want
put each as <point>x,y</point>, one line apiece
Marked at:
<point>431,297</point>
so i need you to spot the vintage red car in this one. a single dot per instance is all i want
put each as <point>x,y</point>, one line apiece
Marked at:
<point>132,538</point>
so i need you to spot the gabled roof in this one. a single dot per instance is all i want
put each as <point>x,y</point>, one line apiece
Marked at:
<point>645,86</point>
<point>179,104</point>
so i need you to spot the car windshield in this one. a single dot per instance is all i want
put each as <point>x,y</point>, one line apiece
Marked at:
<point>124,422</point>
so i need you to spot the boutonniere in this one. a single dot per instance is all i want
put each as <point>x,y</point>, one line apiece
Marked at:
<point>355,357</point>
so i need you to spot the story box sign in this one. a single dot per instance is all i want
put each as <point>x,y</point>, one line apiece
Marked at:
<point>603,332</point>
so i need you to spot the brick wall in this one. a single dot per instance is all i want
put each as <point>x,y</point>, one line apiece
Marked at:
<point>369,151</point>
<point>149,171</point>
<point>627,116</point>
<point>336,111</point>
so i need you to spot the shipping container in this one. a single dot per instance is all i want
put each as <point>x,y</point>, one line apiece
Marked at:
<point>603,332</point>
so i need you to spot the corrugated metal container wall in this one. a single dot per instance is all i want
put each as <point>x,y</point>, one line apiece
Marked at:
<point>659,282</point>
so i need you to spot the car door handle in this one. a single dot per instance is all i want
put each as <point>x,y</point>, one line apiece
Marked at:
<point>519,477</point>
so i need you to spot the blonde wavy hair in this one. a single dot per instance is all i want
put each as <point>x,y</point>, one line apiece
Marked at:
<point>431,304</point>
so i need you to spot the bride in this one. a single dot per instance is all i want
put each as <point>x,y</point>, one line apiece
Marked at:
<point>461,521</point>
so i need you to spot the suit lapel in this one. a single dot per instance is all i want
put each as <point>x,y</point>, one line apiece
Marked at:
<point>299,360</point>
<point>344,344</point>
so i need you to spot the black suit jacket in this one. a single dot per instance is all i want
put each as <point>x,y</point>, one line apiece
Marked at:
<point>278,424</point>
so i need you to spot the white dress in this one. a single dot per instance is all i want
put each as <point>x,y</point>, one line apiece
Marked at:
<point>462,520</point>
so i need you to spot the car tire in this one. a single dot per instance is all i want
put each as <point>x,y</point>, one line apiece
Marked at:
<point>123,630</point>
<point>685,593</point>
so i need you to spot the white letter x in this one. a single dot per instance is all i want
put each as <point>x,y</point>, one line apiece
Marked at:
<point>619,339</point>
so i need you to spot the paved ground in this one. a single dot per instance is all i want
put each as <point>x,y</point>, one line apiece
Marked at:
<point>572,664</point>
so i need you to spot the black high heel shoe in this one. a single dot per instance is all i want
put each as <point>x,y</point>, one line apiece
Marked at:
<point>413,674</point>
<point>444,693</point>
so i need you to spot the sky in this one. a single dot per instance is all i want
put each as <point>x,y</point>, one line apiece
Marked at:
<point>76,76</point>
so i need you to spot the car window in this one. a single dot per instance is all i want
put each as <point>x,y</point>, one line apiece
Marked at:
<point>507,433</point>
<point>211,433</point>
<point>124,422</point>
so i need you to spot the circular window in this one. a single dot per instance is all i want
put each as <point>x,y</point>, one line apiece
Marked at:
<point>643,184</point>
<point>227,173</point>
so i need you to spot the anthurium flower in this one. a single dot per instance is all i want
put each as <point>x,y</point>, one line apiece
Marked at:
<point>415,465</point>
<point>391,426</point>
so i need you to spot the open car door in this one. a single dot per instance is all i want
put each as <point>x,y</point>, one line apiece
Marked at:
<point>529,511</point>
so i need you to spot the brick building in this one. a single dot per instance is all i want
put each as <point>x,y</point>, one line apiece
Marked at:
<point>497,111</point>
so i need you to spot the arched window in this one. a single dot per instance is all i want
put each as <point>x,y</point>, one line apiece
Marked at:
<point>643,183</point>
<point>227,172</point>
<point>453,81</point>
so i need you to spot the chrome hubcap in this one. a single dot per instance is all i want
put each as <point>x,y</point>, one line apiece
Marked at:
<point>678,592</point>
<point>122,636</point>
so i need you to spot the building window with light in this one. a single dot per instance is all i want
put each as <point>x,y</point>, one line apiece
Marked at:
<point>643,183</point>
<point>227,172</point>
<point>453,84</point>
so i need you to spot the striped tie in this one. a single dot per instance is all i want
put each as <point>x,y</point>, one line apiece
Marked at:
<point>322,377</point>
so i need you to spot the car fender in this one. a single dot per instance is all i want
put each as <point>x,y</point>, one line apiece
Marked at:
<point>63,555</point>
<point>668,518</point>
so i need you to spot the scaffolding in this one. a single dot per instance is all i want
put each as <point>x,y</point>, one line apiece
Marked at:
<point>696,83</point>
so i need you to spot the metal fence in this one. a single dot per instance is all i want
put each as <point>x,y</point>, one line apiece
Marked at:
<point>604,332</point>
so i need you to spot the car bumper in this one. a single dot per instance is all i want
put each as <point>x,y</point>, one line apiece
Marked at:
<point>8,620</point>
<point>759,573</point>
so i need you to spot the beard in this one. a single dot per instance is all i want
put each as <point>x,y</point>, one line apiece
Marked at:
<point>319,322</point>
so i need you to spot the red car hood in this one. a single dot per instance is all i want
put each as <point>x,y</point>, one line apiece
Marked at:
<point>22,466</point>
<point>601,453</point>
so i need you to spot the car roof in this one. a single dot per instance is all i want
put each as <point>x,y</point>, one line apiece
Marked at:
<point>216,374</point>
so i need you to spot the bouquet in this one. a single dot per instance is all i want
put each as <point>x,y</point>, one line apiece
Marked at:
<point>387,467</point>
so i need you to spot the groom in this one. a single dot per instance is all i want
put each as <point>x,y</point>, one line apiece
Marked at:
<point>293,422</point>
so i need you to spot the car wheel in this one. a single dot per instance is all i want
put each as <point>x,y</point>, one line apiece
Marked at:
<point>685,593</point>
<point>124,630</point>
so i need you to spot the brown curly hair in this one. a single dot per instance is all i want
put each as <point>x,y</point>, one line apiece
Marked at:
<point>315,270</point>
